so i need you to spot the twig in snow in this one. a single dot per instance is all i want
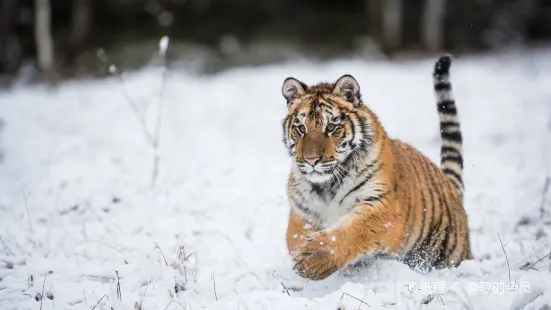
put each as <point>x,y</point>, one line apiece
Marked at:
<point>94,307</point>
<point>85,300</point>
<point>360,300</point>
<point>7,250</point>
<point>173,300</point>
<point>214,285</point>
<point>184,259</point>
<point>163,45</point>
<point>241,301</point>
<point>531,265</point>
<point>28,213</point>
<point>163,254</point>
<point>183,255</point>
<point>119,294</point>
<point>134,107</point>
<point>506,258</point>
<point>42,295</point>
<point>431,297</point>
<point>285,288</point>
<point>152,139</point>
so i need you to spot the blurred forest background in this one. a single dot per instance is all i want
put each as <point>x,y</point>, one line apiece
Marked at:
<point>67,39</point>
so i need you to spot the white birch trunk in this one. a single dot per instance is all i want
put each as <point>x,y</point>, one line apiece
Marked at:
<point>43,37</point>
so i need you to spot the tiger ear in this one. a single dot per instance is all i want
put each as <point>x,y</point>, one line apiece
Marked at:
<point>293,88</point>
<point>348,88</point>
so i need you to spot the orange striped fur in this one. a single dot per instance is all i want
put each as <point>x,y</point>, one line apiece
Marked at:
<point>355,192</point>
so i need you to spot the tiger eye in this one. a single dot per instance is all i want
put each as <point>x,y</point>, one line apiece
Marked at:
<point>301,129</point>
<point>331,127</point>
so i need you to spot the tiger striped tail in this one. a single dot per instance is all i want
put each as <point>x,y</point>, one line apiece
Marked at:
<point>451,161</point>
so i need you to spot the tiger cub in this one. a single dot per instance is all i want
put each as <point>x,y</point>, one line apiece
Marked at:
<point>356,192</point>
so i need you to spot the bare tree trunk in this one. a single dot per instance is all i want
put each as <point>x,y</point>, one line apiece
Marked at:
<point>10,47</point>
<point>433,24</point>
<point>80,27</point>
<point>392,20</point>
<point>44,41</point>
<point>81,21</point>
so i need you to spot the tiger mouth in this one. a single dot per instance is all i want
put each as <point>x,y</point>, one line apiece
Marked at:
<point>315,172</point>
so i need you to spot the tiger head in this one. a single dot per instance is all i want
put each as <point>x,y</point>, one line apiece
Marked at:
<point>326,125</point>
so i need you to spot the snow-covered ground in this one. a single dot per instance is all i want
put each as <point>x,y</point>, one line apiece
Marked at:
<point>82,225</point>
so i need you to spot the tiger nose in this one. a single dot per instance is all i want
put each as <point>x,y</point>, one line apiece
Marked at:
<point>312,161</point>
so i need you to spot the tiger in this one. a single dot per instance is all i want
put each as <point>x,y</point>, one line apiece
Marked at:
<point>354,192</point>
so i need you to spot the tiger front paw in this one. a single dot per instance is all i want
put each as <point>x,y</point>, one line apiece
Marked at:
<point>316,260</point>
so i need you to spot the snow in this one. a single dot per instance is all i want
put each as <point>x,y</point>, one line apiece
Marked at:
<point>81,224</point>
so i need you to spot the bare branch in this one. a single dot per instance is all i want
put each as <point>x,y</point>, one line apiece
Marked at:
<point>42,295</point>
<point>360,300</point>
<point>531,265</point>
<point>94,307</point>
<point>119,293</point>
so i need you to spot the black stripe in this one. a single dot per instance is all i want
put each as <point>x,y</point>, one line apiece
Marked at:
<point>336,186</point>
<point>445,103</point>
<point>428,175</point>
<point>442,65</point>
<point>371,165</point>
<point>361,122</point>
<point>447,246</point>
<point>420,240</point>
<point>445,212</point>
<point>449,124</point>
<point>440,86</point>
<point>353,129</point>
<point>447,109</point>
<point>452,136</point>
<point>367,178</point>
<point>453,155</point>
<point>442,249</point>
<point>307,210</point>
<point>289,127</point>
<point>376,198</point>
<point>457,184</point>
<point>454,232</point>
<point>435,232</point>
<point>418,180</point>
<point>323,104</point>
<point>438,227</point>
<point>408,221</point>
<point>424,246</point>
<point>453,174</point>
<point>319,190</point>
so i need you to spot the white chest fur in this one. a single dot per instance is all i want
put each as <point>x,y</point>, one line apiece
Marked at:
<point>327,210</point>
<point>327,213</point>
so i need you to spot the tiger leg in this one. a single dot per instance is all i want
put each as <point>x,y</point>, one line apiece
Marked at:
<point>298,230</point>
<point>369,228</point>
